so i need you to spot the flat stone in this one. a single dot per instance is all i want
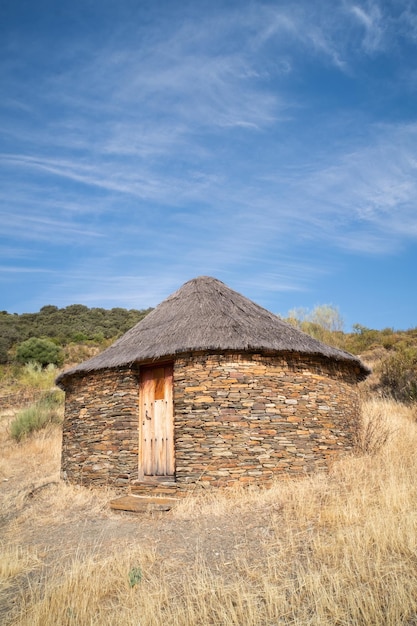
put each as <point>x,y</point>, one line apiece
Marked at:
<point>142,504</point>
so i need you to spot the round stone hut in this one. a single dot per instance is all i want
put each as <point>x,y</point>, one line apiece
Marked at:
<point>209,389</point>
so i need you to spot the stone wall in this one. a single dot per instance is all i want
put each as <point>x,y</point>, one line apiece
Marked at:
<point>238,418</point>
<point>20,399</point>
<point>249,418</point>
<point>100,432</point>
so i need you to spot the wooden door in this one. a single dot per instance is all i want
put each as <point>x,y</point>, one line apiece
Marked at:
<point>156,444</point>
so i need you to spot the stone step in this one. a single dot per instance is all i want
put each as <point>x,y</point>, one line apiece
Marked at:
<point>142,504</point>
<point>157,489</point>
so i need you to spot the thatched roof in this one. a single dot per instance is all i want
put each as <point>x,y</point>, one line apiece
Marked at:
<point>206,315</point>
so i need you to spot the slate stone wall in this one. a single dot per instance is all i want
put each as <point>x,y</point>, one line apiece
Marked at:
<point>20,399</point>
<point>238,418</point>
<point>249,418</point>
<point>100,432</point>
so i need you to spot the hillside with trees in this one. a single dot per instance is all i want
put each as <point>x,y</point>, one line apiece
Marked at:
<point>73,324</point>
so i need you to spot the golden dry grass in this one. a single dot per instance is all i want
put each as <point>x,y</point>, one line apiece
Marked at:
<point>14,560</point>
<point>337,549</point>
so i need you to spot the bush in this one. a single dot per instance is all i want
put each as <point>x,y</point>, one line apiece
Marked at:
<point>399,375</point>
<point>34,376</point>
<point>362,339</point>
<point>45,411</point>
<point>43,351</point>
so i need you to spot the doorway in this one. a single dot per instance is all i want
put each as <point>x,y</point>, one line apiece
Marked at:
<point>156,440</point>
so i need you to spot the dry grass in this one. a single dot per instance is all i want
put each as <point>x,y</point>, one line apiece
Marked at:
<point>336,549</point>
<point>14,560</point>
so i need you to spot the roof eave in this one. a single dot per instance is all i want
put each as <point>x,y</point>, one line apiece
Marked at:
<point>84,370</point>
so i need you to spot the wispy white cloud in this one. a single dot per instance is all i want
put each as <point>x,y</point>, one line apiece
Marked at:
<point>41,228</point>
<point>408,20</point>
<point>94,286</point>
<point>131,178</point>
<point>9,269</point>
<point>365,195</point>
<point>366,200</point>
<point>371,19</point>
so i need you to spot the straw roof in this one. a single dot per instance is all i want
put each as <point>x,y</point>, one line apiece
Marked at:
<point>206,315</point>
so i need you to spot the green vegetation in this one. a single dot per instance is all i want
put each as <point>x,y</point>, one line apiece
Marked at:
<point>135,576</point>
<point>47,410</point>
<point>42,351</point>
<point>73,324</point>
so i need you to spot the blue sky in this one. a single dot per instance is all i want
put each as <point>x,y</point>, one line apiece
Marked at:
<point>272,145</point>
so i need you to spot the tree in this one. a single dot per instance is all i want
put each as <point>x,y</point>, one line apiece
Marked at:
<point>41,351</point>
<point>328,317</point>
<point>324,323</point>
<point>48,308</point>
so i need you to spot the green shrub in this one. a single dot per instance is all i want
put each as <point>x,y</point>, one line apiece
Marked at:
<point>47,410</point>
<point>399,375</point>
<point>35,376</point>
<point>362,339</point>
<point>43,351</point>
<point>78,337</point>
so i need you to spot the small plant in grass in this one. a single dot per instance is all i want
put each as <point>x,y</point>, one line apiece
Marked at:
<point>47,410</point>
<point>135,576</point>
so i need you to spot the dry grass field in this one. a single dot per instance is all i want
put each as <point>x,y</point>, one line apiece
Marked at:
<point>337,549</point>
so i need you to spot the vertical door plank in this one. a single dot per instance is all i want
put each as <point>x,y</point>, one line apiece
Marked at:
<point>169,422</point>
<point>147,422</point>
<point>160,444</point>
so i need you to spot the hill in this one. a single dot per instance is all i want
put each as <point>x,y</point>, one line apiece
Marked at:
<point>73,324</point>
